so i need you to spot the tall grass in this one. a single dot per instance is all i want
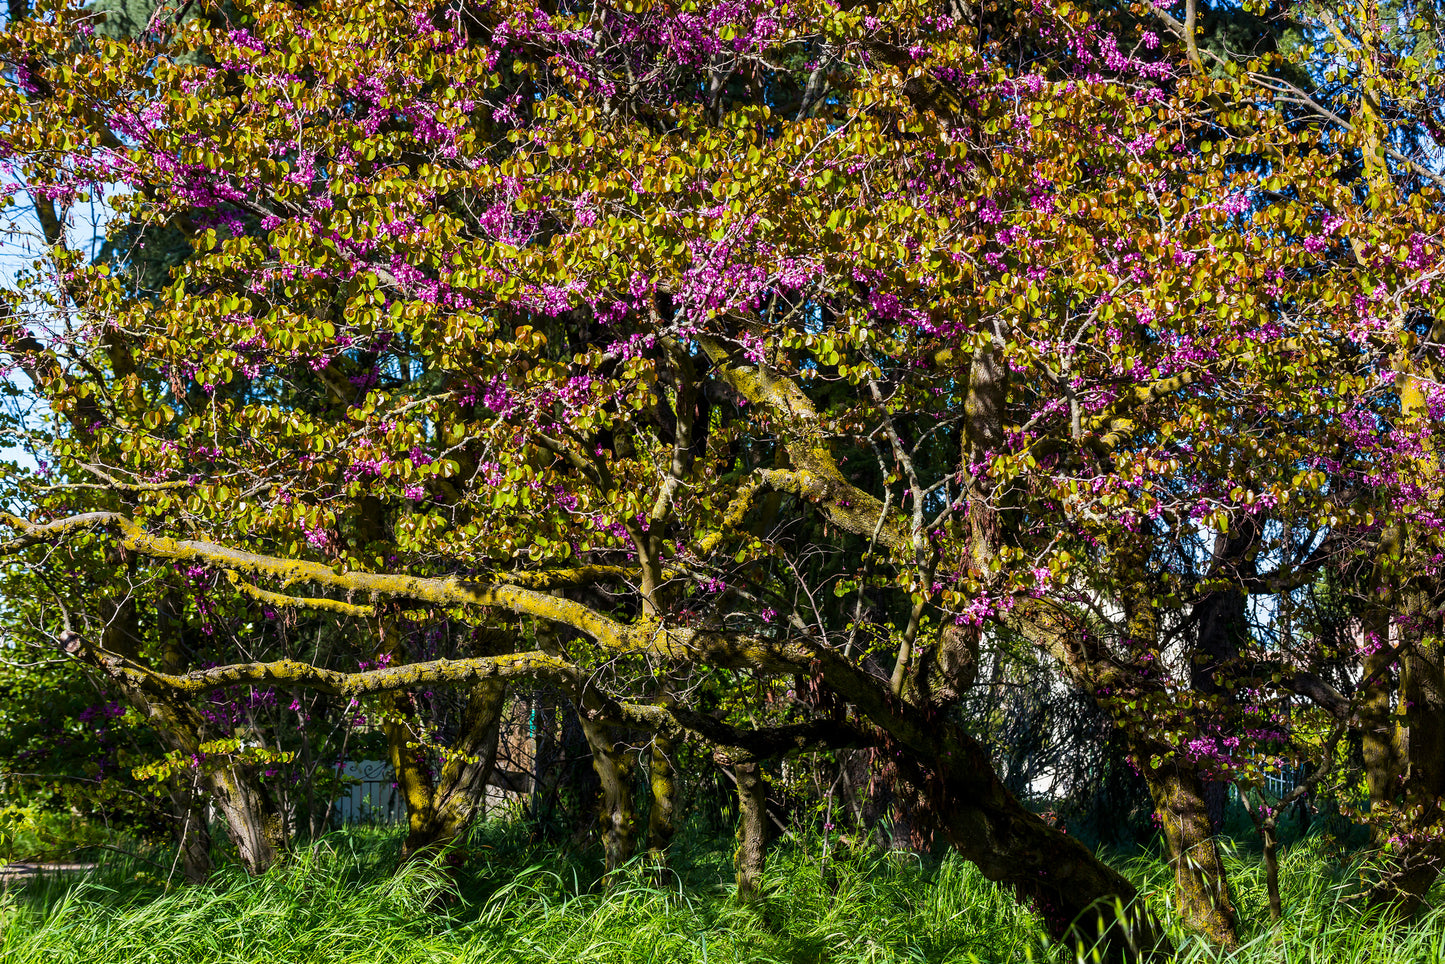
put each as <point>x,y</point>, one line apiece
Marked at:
<point>336,901</point>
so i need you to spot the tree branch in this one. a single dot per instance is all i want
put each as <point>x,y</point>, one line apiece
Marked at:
<point>296,602</point>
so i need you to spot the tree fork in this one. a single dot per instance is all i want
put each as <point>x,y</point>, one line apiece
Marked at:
<point>461,785</point>
<point>238,796</point>
<point>1088,884</point>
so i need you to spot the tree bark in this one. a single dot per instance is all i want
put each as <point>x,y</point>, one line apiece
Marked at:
<point>238,795</point>
<point>1223,631</point>
<point>439,812</point>
<point>661,819</point>
<point>1381,741</point>
<point>1201,886</point>
<point>410,767</point>
<point>247,813</point>
<point>1416,856</point>
<point>192,833</point>
<point>951,776</point>
<point>616,819</point>
<point>748,859</point>
<point>440,804</point>
<point>1269,838</point>
<point>193,829</point>
<point>1082,900</point>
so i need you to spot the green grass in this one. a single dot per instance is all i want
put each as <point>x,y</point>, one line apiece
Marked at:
<point>335,901</point>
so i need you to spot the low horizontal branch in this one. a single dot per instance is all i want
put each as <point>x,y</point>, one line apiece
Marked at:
<point>297,602</point>
<point>736,743</point>
<point>288,673</point>
<point>441,591</point>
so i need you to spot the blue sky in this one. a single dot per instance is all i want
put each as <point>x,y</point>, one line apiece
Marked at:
<point>20,244</point>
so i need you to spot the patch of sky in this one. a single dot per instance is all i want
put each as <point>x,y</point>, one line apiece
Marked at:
<point>22,413</point>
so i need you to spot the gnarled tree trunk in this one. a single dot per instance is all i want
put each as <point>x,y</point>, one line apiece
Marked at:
<point>1082,900</point>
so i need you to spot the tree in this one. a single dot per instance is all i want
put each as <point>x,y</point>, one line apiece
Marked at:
<point>739,341</point>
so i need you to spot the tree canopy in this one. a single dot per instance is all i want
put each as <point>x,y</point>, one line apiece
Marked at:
<point>685,351</point>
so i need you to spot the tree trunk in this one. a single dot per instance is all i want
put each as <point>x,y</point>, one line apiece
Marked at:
<point>192,833</point>
<point>237,793</point>
<point>446,808</point>
<point>247,813</point>
<point>1266,824</point>
<point>1270,841</point>
<point>662,781</point>
<point>1416,860</point>
<point>951,777</point>
<point>440,806</point>
<point>1083,901</point>
<point>193,829</point>
<point>1381,741</point>
<point>251,818</point>
<point>752,830</point>
<point>1200,883</point>
<point>614,771</point>
<point>1223,622</point>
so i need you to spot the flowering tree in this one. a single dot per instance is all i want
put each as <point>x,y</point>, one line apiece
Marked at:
<point>679,342</point>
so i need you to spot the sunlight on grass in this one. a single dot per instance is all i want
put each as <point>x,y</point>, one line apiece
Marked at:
<point>336,901</point>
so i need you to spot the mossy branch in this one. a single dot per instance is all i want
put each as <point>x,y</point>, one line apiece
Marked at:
<point>441,591</point>
<point>34,533</point>
<point>297,602</point>
<point>645,635</point>
<point>288,673</point>
<point>673,722</point>
<point>816,477</point>
<point>575,576</point>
